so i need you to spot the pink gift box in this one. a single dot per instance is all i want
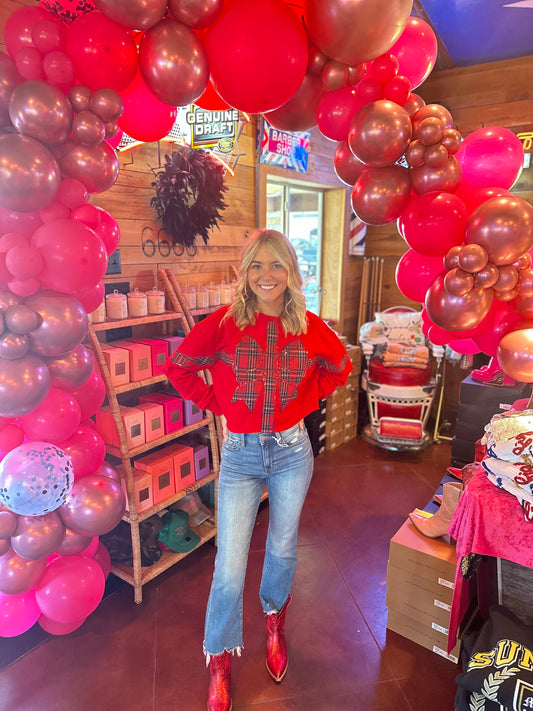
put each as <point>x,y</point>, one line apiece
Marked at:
<point>172,409</point>
<point>140,360</point>
<point>161,467</point>
<point>158,353</point>
<point>154,423</point>
<point>118,363</point>
<point>132,419</point>
<point>183,458</point>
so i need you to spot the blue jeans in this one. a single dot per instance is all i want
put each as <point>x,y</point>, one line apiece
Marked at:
<point>284,461</point>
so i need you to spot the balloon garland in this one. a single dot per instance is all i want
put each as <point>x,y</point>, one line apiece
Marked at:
<point>96,68</point>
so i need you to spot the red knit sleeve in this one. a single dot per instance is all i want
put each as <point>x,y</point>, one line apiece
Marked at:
<point>197,352</point>
<point>333,362</point>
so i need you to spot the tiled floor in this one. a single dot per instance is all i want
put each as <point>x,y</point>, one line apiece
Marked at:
<point>148,657</point>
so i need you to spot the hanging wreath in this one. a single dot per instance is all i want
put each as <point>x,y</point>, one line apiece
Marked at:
<point>189,196</point>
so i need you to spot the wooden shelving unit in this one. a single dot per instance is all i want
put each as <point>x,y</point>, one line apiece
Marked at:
<point>137,575</point>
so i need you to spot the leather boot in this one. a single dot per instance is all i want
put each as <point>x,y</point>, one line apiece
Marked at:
<point>277,658</point>
<point>219,678</point>
<point>437,525</point>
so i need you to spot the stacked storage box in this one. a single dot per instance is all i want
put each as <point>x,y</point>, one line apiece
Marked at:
<point>420,581</point>
<point>478,402</point>
<point>342,406</point>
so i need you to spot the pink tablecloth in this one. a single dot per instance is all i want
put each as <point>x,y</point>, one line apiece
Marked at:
<point>487,521</point>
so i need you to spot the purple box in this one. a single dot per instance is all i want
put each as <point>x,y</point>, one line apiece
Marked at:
<point>201,461</point>
<point>173,342</point>
<point>191,412</point>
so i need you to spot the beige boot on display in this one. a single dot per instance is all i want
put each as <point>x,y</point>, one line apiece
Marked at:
<point>437,525</point>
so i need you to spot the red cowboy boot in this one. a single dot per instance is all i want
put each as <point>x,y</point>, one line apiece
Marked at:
<point>219,677</point>
<point>277,658</point>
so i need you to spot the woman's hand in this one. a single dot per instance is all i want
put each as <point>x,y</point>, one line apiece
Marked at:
<point>224,425</point>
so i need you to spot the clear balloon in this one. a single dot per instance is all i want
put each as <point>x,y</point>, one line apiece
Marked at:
<point>18,574</point>
<point>104,53</point>
<point>380,133</point>
<point>71,588</point>
<point>133,14</point>
<point>380,195</point>
<point>265,62</point>
<point>29,174</point>
<point>18,613</point>
<point>457,313</point>
<point>503,226</point>
<point>145,117</point>
<point>415,273</point>
<point>173,63</point>
<point>434,222</point>
<point>56,419</point>
<point>70,370</point>
<point>416,50</point>
<point>491,157</point>
<point>94,507</point>
<point>355,32</point>
<point>299,113</point>
<point>36,537</point>
<point>24,384</point>
<point>35,478</point>
<point>335,112</point>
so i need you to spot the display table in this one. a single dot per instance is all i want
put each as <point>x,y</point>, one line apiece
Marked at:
<point>488,521</point>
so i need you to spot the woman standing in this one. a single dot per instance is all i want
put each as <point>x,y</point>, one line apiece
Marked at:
<point>270,361</point>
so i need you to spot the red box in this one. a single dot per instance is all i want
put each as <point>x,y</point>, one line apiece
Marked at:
<point>143,487</point>
<point>140,360</point>
<point>201,461</point>
<point>161,467</point>
<point>158,353</point>
<point>118,363</point>
<point>172,409</point>
<point>154,424</point>
<point>183,457</point>
<point>191,412</point>
<point>132,419</point>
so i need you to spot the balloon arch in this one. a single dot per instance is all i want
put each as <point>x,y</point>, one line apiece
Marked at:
<point>77,74</point>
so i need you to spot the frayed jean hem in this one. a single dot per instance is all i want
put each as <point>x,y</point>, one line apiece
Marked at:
<point>232,651</point>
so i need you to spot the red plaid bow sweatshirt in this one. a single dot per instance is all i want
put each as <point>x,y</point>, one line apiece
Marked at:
<point>263,380</point>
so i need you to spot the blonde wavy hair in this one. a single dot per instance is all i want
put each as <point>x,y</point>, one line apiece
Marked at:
<point>244,304</point>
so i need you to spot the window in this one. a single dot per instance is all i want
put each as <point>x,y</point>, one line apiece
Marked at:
<point>297,212</point>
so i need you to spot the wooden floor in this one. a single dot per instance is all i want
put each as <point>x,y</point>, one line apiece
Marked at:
<point>148,657</point>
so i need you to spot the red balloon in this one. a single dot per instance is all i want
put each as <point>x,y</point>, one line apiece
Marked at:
<point>104,53</point>
<point>74,256</point>
<point>416,50</point>
<point>434,222</point>
<point>263,65</point>
<point>491,157</point>
<point>335,112</point>
<point>19,25</point>
<point>416,272</point>
<point>90,395</point>
<point>210,100</point>
<point>108,230</point>
<point>347,167</point>
<point>91,298</point>
<point>503,318</point>
<point>145,117</point>
<point>86,450</point>
<point>463,345</point>
<point>474,198</point>
<point>370,89</point>
<point>299,113</point>
<point>380,195</point>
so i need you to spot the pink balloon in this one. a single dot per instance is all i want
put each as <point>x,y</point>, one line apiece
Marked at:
<point>86,450</point>
<point>490,157</point>
<point>9,79</point>
<point>11,436</point>
<point>18,613</point>
<point>23,223</point>
<point>59,628</point>
<point>103,559</point>
<point>71,588</point>
<point>474,198</point>
<point>465,346</point>
<point>90,395</point>
<point>335,112</point>
<point>29,64</point>
<point>56,419</point>
<point>24,262</point>
<point>416,272</point>
<point>91,298</point>
<point>19,25</point>
<point>104,53</point>
<point>145,117</point>
<point>74,256</point>
<point>433,223</point>
<point>108,229</point>
<point>347,167</point>
<point>416,50</point>
<point>504,318</point>
<point>266,60</point>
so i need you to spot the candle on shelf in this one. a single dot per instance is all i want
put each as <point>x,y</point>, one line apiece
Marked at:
<point>116,306</point>
<point>214,294</point>
<point>202,297</point>
<point>189,292</point>
<point>156,301</point>
<point>225,293</point>
<point>98,315</point>
<point>137,304</point>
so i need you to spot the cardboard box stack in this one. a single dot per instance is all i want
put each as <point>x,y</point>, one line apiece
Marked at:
<point>342,406</point>
<point>420,581</point>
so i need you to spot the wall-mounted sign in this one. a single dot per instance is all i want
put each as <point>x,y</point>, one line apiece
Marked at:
<point>527,140</point>
<point>286,149</point>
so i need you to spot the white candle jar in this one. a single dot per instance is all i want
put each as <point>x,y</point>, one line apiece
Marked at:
<point>116,306</point>
<point>137,304</point>
<point>156,301</point>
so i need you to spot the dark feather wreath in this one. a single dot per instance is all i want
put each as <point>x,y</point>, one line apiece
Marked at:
<point>189,196</point>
